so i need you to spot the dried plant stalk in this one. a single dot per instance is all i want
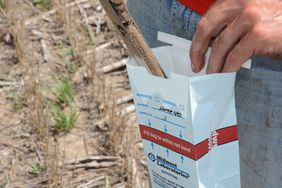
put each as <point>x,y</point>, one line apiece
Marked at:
<point>132,36</point>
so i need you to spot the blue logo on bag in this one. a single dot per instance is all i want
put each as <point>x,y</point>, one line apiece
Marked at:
<point>152,157</point>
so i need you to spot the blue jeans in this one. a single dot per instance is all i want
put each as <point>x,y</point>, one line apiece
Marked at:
<point>258,93</point>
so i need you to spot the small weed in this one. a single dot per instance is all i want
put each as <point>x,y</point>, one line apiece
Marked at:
<point>17,99</point>
<point>2,4</point>
<point>45,4</point>
<point>89,35</point>
<point>67,52</point>
<point>4,181</point>
<point>67,55</point>
<point>64,121</point>
<point>64,92</point>
<point>71,66</point>
<point>36,169</point>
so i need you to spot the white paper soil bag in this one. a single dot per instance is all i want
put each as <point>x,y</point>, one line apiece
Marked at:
<point>187,122</point>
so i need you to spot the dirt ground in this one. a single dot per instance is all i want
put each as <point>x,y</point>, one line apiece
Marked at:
<point>66,112</point>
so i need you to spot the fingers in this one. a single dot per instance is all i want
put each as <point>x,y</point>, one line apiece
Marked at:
<point>225,42</point>
<point>208,27</point>
<point>204,33</point>
<point>239,54</point>
<point>252,43</point>
<point>212,23</point>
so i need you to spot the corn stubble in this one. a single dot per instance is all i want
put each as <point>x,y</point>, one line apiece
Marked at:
<point>50,106</point>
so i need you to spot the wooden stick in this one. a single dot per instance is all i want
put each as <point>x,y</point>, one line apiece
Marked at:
<point>137,45</point>
<point>112,67</point>
<point>45,50</point>
<point>125,99</point>
<point>92,165</point>
<point>91,159</point>
<point>101,47</point>
<point>145,51</point>
<point>8,83</point>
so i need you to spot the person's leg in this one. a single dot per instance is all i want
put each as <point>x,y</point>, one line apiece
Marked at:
<point>167,16</point>
<point>258,94</point>
<point>259,112</point>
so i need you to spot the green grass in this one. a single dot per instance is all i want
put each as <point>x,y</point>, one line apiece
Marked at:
<point>63,111</point>
<point>89,33</point>
<point>64,92</point>
<point>16,97</point>
<point>2,4</point>
<point>4,181</point>
<point>45,4</point>
<point>71,66</point>
<point>64,121</point>
<point>67,52</point>
<point>36,169</point>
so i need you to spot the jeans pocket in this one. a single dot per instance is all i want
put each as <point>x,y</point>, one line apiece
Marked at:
<point>188,18</point>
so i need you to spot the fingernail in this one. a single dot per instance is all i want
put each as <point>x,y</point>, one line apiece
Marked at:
<point>194,69</point>
<point>209,70</point>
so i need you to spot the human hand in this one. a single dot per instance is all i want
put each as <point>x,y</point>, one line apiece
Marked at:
<point>241,28</point>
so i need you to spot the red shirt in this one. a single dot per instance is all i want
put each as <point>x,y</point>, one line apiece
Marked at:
<point>199,6</point>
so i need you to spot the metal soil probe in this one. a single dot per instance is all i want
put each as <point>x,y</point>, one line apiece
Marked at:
<point>118,13</point>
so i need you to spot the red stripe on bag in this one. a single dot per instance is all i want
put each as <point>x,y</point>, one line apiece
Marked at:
<point>228,134</point>
<point>195,152</point>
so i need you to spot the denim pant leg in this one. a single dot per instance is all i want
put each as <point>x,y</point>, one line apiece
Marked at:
<point>258,94</point>
<point>259,112</point>
<point>167,16</point>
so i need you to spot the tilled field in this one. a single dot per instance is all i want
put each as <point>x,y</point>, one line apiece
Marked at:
<point>66,112</point>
